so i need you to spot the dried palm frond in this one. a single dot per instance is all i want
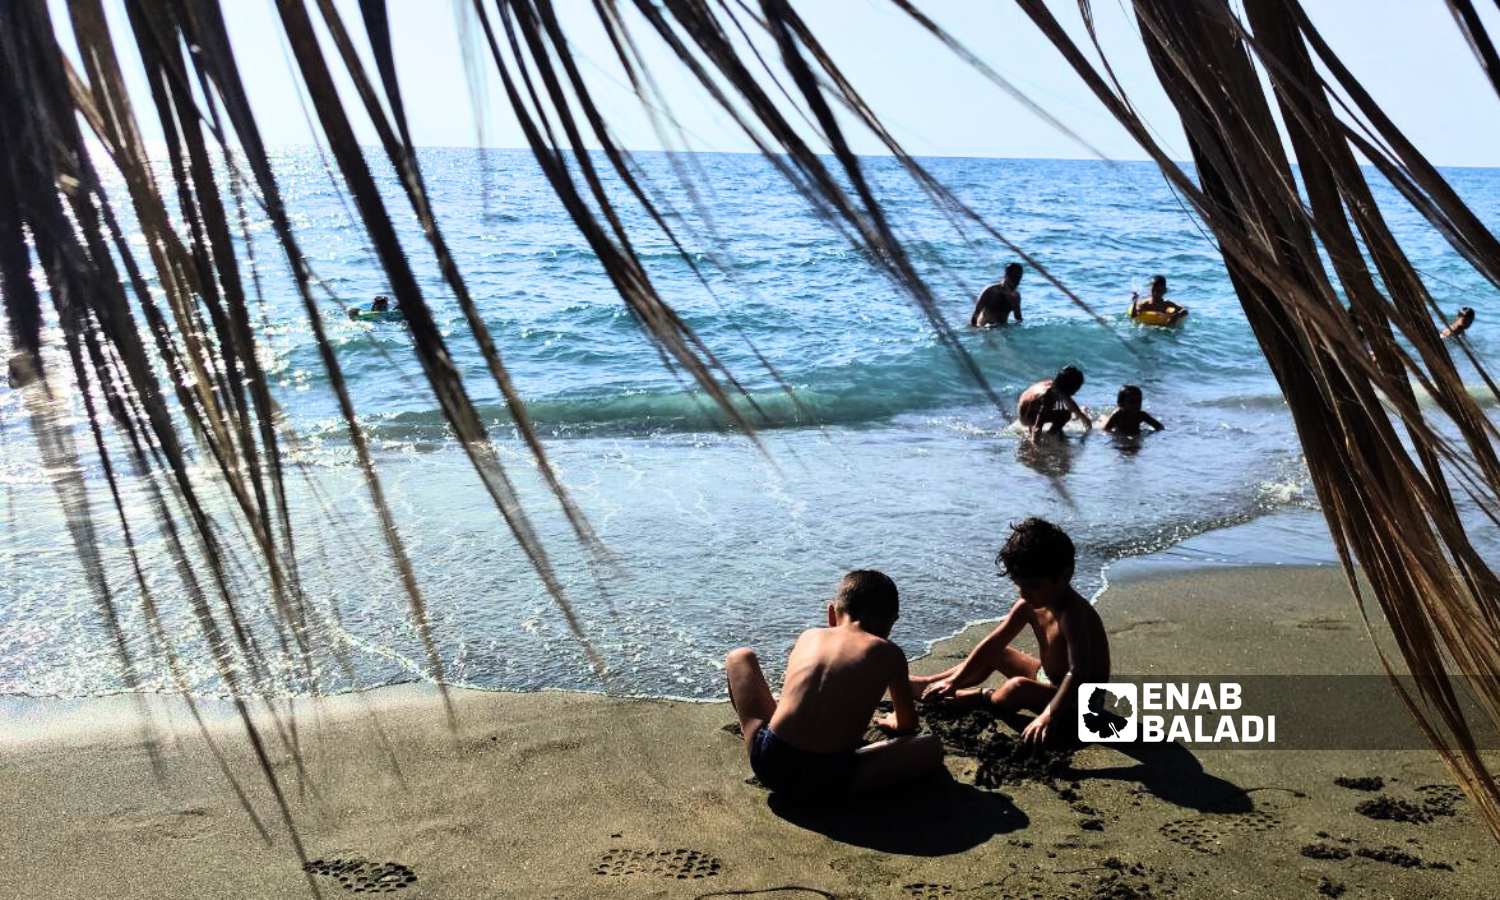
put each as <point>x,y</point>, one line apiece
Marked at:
<point>188,388</point>
<point>1383,467</point>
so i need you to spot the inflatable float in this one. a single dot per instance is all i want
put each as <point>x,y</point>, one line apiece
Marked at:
<point>1156,317</point>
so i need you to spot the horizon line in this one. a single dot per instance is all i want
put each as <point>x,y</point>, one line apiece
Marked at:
<point>658,150</point>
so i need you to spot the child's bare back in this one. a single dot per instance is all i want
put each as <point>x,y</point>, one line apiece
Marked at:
<point>1128,416</point>
<point>807,744</point>
<point>834,679</point>
<point>1070,637</point>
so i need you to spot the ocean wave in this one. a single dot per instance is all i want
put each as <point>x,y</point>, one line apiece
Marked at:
<point>1478,392</point>
<point>602,378</point>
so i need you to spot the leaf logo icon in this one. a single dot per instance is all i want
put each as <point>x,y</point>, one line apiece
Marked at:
<point>1108,713</point>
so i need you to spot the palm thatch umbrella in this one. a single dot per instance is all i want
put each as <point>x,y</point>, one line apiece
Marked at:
<point>169,376</point>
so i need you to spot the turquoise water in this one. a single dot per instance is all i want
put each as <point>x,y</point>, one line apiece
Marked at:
<point>892,459</point>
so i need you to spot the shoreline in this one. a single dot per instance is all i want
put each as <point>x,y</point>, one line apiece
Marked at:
<point>560,794</point>
<point>1207,552</point>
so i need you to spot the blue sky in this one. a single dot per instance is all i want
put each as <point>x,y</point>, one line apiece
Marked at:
<point>1408,53</point>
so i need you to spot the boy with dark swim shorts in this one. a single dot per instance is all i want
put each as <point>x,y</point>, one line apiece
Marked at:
<point>807,744</point>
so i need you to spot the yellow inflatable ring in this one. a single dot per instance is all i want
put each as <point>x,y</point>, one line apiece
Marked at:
<point>1163,319</point>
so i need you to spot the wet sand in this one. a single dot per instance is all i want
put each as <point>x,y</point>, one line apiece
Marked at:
<point>572,795</point>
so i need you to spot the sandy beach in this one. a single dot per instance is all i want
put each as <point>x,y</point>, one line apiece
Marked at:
<point>574,795</point>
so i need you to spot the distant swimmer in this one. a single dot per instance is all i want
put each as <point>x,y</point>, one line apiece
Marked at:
<point>1157,309</point>
<point>380,310</point>
<point>1460,324</point>
<point>999,300</point>
<point>1048,405</point>
<point>1128,416</point>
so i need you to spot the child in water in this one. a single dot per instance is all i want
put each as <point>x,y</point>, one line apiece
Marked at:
<point>1072,645</point>
<point>807,744</point>
<point>1128,417</point>
<point>1048,405</point>
<point>1157,302</point>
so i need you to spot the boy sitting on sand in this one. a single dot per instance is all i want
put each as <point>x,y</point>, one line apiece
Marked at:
<point>808,744</point>
<point>1071,641</point>
<point>1128,416</point>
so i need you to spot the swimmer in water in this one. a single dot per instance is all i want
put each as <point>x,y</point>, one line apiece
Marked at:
<point>1046,406</point>
<point>998,301</point>
<point>1460,324</point>
<point>1157,302</point>
<point>1128,417</point>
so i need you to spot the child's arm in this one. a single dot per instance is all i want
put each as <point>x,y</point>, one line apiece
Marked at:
<point>903,717</point>
<point>1151,420</point>
<point>1015,305</point>
<point>1079,651</point>
<point>978,305</point>
<point>1109,423</point>
<point>1035,428</point>
<point>1082,416</point>
<point>1037,731</point>
<point>980,662</point>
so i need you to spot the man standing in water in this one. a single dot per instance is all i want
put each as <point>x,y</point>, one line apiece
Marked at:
<point>999,300</point>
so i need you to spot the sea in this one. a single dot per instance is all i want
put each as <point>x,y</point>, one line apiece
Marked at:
<point>886,453</point>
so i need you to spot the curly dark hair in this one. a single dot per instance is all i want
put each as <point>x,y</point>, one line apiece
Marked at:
<point>1128,392</point>
<point>1068,380</point>
<point>868,596</point>
<point>1036,549</point>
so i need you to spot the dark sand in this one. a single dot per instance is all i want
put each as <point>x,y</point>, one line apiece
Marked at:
<point>568,795</point>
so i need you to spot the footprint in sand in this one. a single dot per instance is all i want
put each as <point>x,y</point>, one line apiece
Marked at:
<point>680,863</point>
<point>1206,833</point>
<point>180,824</point>
<point>361,876</point>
